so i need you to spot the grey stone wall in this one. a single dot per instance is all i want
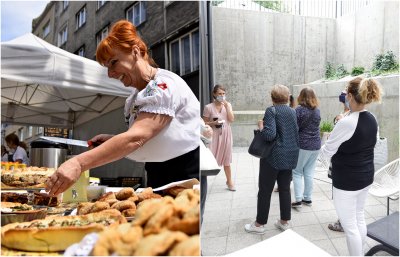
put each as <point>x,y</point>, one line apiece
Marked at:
<point>373,30</point>
<point>387,112</point>
<point>255,50</point>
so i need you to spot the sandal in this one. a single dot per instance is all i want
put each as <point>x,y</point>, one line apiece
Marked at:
<point>336,226</point>
<point>230,187</point>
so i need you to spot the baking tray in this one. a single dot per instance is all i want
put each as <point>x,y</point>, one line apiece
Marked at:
<point>22,216</point>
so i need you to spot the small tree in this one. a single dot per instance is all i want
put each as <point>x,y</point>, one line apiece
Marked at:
<point>329,70</point>
<point>385,62</point>
<point>341,71</point>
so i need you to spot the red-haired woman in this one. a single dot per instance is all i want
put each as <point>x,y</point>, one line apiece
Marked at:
<point>162,114</point>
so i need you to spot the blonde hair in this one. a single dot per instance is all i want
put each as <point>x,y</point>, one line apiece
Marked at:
<point>280,94</point>
<point>365,91</point>
<point>307,98</point>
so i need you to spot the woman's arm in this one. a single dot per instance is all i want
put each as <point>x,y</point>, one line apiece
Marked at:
<point>208,122</point>
<point>145,127</point>
<point>229,111</point>
<point>269,129</point>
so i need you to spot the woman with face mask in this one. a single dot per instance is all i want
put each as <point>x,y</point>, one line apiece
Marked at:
<point>350,147</point>
<point>219,116</point>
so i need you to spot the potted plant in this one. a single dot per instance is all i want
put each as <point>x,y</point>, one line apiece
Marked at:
<point>325,129</point>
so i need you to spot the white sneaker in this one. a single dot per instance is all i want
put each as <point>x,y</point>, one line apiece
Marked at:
<point>252,228</point>
<point>281,226</point>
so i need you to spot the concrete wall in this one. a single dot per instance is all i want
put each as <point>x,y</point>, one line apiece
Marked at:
<point>387,112</point>
<point>255,50</point>
<point>373,30</point>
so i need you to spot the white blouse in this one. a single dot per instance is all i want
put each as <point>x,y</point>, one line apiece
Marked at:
<point>20,154</point>
<point>167,94</point>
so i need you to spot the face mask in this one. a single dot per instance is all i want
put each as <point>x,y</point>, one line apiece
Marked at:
<point>342,98</point>
<point>220,98</point>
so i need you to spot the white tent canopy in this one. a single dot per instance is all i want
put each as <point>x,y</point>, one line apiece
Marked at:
<point>44,85</point>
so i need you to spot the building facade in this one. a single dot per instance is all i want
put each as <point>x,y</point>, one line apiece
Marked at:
<point>169,28</point>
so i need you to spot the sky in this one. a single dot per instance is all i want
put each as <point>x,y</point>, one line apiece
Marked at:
<point>17,16</point>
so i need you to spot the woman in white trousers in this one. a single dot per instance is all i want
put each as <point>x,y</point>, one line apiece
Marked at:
<point>351,149</point>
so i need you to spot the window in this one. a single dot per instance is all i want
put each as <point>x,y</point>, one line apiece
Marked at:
<point>81,17</point>
<point>137,13</point>
<point>65,4</point>
<point>100,4</point>
<point>46,29</point>
<point>81,51</point>
<point>185,53</point>
<point>21,134</point>
<point>101,35</point>
<point>39,130</point>
<point>30,129</point>
<point>62,36</point>
<point>196,50</point>
<point>175,57</point>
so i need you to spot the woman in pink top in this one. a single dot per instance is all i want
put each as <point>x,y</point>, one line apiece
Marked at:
<point>219,116</point>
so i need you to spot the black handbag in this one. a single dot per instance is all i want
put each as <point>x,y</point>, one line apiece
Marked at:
<point>259,147</point>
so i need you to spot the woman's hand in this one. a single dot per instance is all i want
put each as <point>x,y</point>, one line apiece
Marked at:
<point>207,131</point>
<point>260,124</point>
<point>101,138</point>
<point>229,110</point>
<point>66,175</point>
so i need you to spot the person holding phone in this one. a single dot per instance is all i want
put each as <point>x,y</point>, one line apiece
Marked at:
<point>219,116</point>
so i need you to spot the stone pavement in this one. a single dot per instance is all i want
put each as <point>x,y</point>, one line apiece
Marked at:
<point>227,212</point>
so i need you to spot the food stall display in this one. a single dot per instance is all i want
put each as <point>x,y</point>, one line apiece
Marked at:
<point>125,222</point>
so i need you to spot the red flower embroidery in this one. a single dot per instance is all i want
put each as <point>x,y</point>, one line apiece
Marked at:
<point>163,86</point>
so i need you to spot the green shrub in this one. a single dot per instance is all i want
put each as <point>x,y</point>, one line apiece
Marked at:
<point>341,71</point>
<point>329,70</point>
<point>357,71</point>
<point>326,126</point>
<point>384,63</point>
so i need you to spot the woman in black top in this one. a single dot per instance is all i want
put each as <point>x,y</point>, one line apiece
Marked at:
<point>351,147</point>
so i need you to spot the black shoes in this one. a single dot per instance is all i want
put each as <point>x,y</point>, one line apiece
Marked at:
<point>308,203</point>
<point>296,205</point>
<point>299,204</point>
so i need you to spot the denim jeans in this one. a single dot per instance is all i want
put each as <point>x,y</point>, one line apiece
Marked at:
<point>305,168</point>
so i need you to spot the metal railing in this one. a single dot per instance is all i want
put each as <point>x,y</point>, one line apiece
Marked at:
<point>315,8</point>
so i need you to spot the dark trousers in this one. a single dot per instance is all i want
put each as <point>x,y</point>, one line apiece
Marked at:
<point>266,181</point>
<point>180,168</point>
<point>203,196</point>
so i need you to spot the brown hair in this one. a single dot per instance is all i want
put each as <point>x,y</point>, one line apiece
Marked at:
<point>280,94</point>
<point>13,139</point>
<point>365,91</point>
<point>123,36</point>
<point>307,98</point>
<point>216,87</point>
